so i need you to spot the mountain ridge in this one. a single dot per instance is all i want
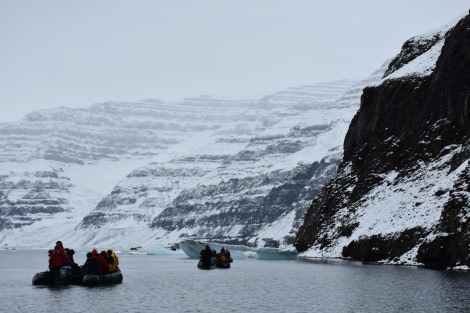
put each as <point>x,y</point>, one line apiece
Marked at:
<point>113,167</point>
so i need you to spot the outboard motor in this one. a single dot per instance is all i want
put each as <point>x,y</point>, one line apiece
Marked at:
<point>65,272</point>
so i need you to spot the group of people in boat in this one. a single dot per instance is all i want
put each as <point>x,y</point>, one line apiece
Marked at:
<point>101,263</point>
<point>208,256</point>
<point>96,263</point>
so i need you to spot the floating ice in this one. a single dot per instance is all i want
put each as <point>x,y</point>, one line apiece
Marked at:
<point>192,248</point>
<point>159,250</point>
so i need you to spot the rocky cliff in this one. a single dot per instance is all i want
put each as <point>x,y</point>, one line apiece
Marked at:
<point>401,194</point>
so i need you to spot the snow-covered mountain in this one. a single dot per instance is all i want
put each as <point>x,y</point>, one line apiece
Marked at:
<point>126,174</point>
<point>264,173</point>
<point>401,194</point>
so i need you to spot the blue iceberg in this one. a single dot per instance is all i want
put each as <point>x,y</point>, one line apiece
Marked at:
<point>159,250</point>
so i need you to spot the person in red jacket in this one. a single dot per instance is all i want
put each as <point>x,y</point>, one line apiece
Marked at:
<point>57,259</point>
<point>104,262</point>
<point>103,266</point>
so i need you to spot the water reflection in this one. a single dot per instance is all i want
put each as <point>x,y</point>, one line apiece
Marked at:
<point>387,288</point>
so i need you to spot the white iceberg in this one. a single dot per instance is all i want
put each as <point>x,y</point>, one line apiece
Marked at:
<point>192,248</point>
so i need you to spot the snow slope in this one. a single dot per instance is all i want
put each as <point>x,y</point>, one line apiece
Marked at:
<point>102,175</point>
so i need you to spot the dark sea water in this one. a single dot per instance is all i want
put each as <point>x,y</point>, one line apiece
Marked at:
<point>174,284</point>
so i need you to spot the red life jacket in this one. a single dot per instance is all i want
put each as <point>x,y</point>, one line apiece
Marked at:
<point>58,256</point>
<point>103,266</point>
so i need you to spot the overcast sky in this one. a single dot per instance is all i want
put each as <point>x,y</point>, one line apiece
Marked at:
<point>76,53</point>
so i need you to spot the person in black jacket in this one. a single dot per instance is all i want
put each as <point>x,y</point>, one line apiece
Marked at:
<point>205,256</point>
<point>91,264</point>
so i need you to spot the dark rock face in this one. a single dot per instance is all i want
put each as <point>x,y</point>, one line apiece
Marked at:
<point>401,123</point>
<point>241,206</point>
<point>377,247</point>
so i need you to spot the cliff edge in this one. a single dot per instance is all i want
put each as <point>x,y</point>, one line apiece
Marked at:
<point>401,193</point>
